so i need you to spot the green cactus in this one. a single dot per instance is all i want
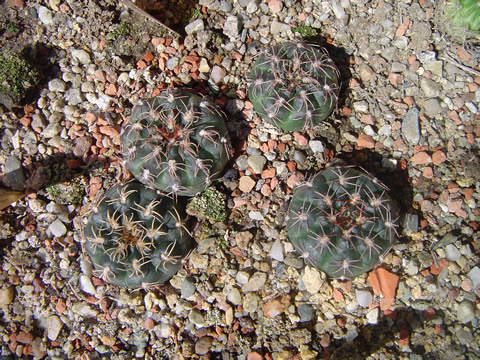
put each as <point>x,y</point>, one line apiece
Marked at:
<point>136,237</point>
<point>294,86</point>
<point>342,221</point>
<point>176,142</point>
<point>464,14</point>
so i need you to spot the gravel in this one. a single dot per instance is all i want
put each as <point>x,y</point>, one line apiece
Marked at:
<point>408,113</point>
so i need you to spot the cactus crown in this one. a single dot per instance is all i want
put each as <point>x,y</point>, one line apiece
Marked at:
<point>136,237</point>
<point>342,221</point>
<point>176,142</point>
<point>294,86</point>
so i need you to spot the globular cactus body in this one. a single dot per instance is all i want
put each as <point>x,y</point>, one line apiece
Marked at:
<point>136,237</point>
<point>176,142</point>
<point>294,86</point>
<point>464,14</point>
<point>342,221</point>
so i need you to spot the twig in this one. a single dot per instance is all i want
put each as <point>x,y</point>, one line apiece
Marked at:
<point>451,60</point>
<point>135,8</point>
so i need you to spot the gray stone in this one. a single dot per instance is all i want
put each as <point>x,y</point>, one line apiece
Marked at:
<point>82,56</point>
<point>316,146</point>
<point>203,345</point>
<point>465,336</point>
<point>432,107</point>
<point>364,298</point>
<point>196,317</point>
<point>54,326</point>
<point>57,85</point>
<point>188,288</point>
<point>250,302</point>
<point>255,283</point>
<point>465,312</point>
<point>103,102</point>
<point>452,253</point>
<point>51,130</point>
<point>338,10</point>
<point>257,162</point>
<point>256,215</point>
<point>276,252</point>
<point>57,228</point>
<point>45,15</point>
<point>232,27</point>
<point>410,126</point>
<point>277,27</point>
<point>306,312</point>
<point>14,176</point>
<point>74,96</point>
<point>429,88</point>
<point>38,121</point>
<point>217,75</point>
<point>172,62</point>
<point>82,146</point>
<point>234,295</point>
<point>400,42</point>
<point>195,26</point>
<point>474,275</point>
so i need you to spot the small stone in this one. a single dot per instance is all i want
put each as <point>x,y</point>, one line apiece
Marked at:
<point>103,101</point>
<point>188,288</point>
<point>306,312</point>
<point>86,285</point>
<point>410,126</point>
<point>465,312</point>
<point>365,141</point>
<point>54,326</point>
<point>250,302</point>
<point>275,6</point>
<point>203,345</point>
<point>312,280</point>
<point>45,15</point>
<point>57,85</point>
<point>246,184</point>
<point>432,107</point>
<point>6,296</point>
<point>372,316</point>
<point>195,26</point>
<point>421,158</point>
<point>57,228</point>
<point>82,56</point>
<point>218,74</point>
<point>257,163</point>
<point>234,295</point>
<point>452,253</point>
<point>276,252</point>
<point>82,146</point>
<point>364,298</point>
<point>232,27</point>
<point>203,67</point>
<point>438,157</point>
<point>255,283</point>
<point>316,146</point>
<point>277,27</point>
<point>74,96</point>
<point>276,306</point>
<point>474,275</point>
<point>196,317</point>
<point>256,215</point>
<point>14,176</point>
<point>383,282</point>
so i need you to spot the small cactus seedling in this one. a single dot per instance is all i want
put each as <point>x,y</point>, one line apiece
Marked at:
<point>176,142</point>
<point>135,237</point>
<point>342,221</point>
<point>294,86</point>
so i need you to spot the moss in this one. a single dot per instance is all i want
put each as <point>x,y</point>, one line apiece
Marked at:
<point>68,192</point>
<point>305,30</point>
<point>210,204</point>
<point>124,29</point>
<point>17,76</point>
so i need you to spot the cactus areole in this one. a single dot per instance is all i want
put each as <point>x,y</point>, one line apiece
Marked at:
<point>176,142</point>
<point>135,237</point>
<point>294,86</point>
<point>342,221</point>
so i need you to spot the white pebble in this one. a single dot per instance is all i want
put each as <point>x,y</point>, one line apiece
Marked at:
<point>276,252</point>
<point>86,285</point>
<point>465,312</point>
<point>364,297</point>
<point>57,228</point>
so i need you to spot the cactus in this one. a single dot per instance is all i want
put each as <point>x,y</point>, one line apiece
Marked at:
<point>464,14</point>
<point>135,237</point>
<point>176,142</point>
<point>294,86</point>
<point>342,221</point>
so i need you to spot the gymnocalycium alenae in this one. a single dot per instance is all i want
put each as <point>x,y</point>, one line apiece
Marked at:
<point>342,221</point>
<point>136,237</point>
<point>176,142</point>
<point>294,85</point>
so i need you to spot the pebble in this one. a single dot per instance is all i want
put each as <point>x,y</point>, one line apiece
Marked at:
<point>86,285</point>
<point>82,56</point>
<point>218,74</point>
<point>203,345</point>
<point>6,296</point>
<point>276,251</point>
<point>103,101</point>
<point>257,163</point>
<point>250,302</point>
<point>234,295</point>
<point>57,228</point>
<point>256,215</point>
<point>54,326</point>
<point>196,317</point>
<point>45,15</point>
<point>474,275</point>
<point>188,288</point>
<point>410,126</point>
<point>195,26</point>
<point>74,96</point>
<point>255,283</point>
<point>364,298</point>
<point>306,312</point>
<point>57,85</point>
<point>312,280</point>
<point>232,27</point>
<point>452,253</point>
<point>372,316</point>
<point>432,107</point>
<point>316,146</point>
<point>277,27</point>
<point>15,178</point>
<point>465,312</point>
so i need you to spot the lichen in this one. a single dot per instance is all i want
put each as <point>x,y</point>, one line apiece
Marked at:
<point>17,76</point>
<point>209,205</point>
